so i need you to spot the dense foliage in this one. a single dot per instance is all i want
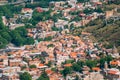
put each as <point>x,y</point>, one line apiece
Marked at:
<point>105,31</point>
<point>9,10</point>
<point>25,76</point>
<point>43,76</point>
<point>17,36</point>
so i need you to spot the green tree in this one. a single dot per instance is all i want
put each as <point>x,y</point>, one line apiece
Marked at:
<point>6,35</point>
<point>81,63</point>
<point>16,38</point>
<point>88,11</point>
<point>49,64</point>
<point>99,10</point>
<point>23,67</point>
<point>29,41</point>
<point>91,63</point>
<point>25,76</point>
<point>22,31</point>
<point>66,71</point>
<point>102,62</point>
<point>32,66</point>
<point>77,77</point>
<point>82,1</point>
<point>43,76</point>
<point>3,42</point>
<point>1,23</point>
<point>77,67</point>
<point>49,38</point>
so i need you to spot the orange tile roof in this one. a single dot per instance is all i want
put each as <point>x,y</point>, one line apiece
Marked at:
<point>62,41</point>
<point>96,69</point>
<point>68,65</point>
<point>27,9</point>
<point>85,33</point>
<point>99,3</point>
<point>73,54</point>
<point>49,71</point>
<point>50,56</point>
<point>30,34</point>
<point>41,65</point>
<point>34,69</point>
<point>76,38</point>
<point>3,57</point>
<point>112,72</point>
<point>114,63</point>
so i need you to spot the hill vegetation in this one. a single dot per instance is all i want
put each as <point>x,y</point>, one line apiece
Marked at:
<point>106,33</point>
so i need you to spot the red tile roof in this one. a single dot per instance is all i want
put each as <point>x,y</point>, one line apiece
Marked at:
<point>41,65</point>
<point>68,65</point>
<point>49,72</point>
<point>73,55</point>
<point>39,9</point>
<point>112,72</point>
<point>114,63</point>
<point>96,69</point>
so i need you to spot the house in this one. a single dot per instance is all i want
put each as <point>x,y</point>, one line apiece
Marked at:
<point>13,26</point>
<point>109,14</point>
<point>84,22</point>
<point>72,2</point>
<point>93,76</point>
<point>96,69</point>
<point>3,2</point>
<point>58,4</point>
<point>61,23</point>
<point>11,76</point>
<point>94,0</point>
<point>45,26</point>
<point>5,21</point>
<point>34,72</point>
<point>56,76</point>
<point>39,9</point>
<point>61,58</point>
<point>10,70</point>
<point>34,62</point>
<point>14,62</point>
<point>68,65</point>
<point>73,55</point>
<point>49,72</point>
<point>25,16</point>
<point>115,63</point>
<point>42,66</point>
<point>80,6</point>
<point>26,10</point>
<point>4,60</point>
<point>113,74</point>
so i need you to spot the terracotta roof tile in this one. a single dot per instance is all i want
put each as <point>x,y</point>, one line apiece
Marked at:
<point>114,63</point>
<point>96,69</point>
<point>68,65</point>
<point>41,65</point>
<point>49,72</point>
<point>112,72</point>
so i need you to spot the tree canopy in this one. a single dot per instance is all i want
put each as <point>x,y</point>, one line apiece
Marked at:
<point>25,76</point>
<point>43,76</point>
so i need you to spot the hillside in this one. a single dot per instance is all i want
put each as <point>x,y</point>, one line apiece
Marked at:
<point>108,33</point>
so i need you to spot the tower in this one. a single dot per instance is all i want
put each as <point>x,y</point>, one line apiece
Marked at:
<point>32,1</point>
<point>106,65</point>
